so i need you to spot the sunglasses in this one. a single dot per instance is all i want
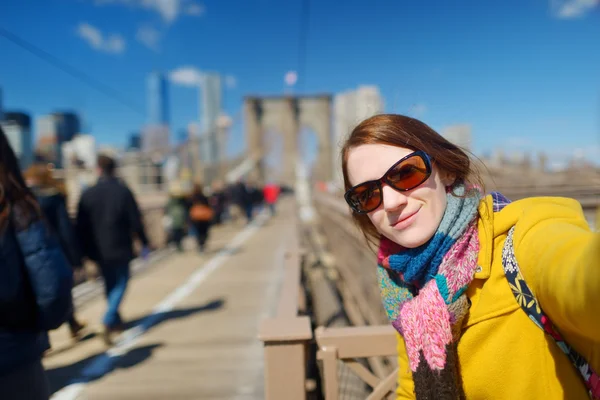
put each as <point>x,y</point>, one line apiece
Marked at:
<point>408,173</point>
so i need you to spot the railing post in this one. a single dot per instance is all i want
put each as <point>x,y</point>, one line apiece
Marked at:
<point>285,342</point>
<point>330,372</point>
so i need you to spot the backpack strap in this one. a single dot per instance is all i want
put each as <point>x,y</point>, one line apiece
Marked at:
<point>532,308</point>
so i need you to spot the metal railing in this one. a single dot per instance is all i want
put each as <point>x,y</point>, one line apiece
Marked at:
<point>286,336</point>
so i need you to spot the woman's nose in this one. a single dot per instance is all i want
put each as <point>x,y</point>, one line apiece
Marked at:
<point>392,199</point>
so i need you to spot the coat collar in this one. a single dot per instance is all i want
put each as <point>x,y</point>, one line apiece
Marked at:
<point>485,227</point>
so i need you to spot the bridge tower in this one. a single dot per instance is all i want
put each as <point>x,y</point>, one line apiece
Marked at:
<point>287,115</point>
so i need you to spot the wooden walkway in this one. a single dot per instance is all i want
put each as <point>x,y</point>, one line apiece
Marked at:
<point>193,323</point>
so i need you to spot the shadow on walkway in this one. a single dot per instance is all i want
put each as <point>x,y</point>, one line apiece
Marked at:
<point>101,364</point>
<point>97,366</point>
<point>149,321</point>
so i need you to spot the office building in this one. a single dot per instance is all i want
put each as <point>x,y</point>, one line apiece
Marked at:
<point>135,142</point>
<point>212,94</point>
<point>52,132</point>
<point>158,100</point>
<point>68,125</point>
<point>349,109</point>
<point>17,128</point>
<point>49,143</point>
<point>155,138</point>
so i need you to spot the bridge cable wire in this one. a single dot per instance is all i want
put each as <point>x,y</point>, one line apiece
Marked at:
<point>303,42</point>
<point>70,70</point>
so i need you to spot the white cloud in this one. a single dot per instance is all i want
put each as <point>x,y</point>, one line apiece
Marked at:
<point>169,10</point>
<point>418,110</point>
<point>187,76</point>
<point>193,77</point>
<point>568,9</point>
<point>195,9</point>
<point>149,37</point>
<point>230,82</point>
<point>112,43</point>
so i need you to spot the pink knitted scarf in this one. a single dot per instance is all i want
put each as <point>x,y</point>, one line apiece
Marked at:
<point>430,317</point>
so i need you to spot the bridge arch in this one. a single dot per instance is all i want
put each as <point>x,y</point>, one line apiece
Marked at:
<point>287,115</point>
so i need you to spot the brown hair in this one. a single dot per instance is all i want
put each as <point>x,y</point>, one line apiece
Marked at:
<point>401,131</point>
<point>13,190</point>
<point>106,164</point>
<point>41,175</point>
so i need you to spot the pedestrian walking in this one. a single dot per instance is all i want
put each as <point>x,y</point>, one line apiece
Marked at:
<point>201,215</point>
<point>35,285</point>
<point>51,197</point>
<point>108,222</point>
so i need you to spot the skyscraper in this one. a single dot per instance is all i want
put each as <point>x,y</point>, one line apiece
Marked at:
<point>211,109</point>
<point>17,127</point>
<point>135,142</point>
<point>68,125</point>
<point>158,101</point>
<point>349,109</point>
<point>49,143</point>
<point>54,130</point>
<point>155,138</point>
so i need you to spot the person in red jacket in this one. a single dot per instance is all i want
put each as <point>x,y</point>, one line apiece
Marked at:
<point>271,194</point>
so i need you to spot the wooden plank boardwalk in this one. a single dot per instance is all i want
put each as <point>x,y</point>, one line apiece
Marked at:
<point>193,322</point>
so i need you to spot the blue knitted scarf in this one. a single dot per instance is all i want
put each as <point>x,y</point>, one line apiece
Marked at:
<point>421,264</point>
<point>423,292</point>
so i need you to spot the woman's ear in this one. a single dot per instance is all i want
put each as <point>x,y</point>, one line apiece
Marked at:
<point>448,179</point>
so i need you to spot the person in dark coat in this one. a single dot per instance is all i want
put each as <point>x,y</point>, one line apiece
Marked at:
<point>201,222</point>
<point>35,285</point>
<point>108,221</point>
<point>53,204</point>
<point>242,197</point>
<point>219,202</point>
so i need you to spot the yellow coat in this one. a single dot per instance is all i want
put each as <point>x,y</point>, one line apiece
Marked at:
<point>503,354</point>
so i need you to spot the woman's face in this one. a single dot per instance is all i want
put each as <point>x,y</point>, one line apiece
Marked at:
<point>408,218</point>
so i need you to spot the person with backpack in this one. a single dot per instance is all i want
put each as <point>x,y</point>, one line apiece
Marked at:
<point>176,212</point>
<point>491,299</point>
<point>201,215</point>
<point>35,284</point>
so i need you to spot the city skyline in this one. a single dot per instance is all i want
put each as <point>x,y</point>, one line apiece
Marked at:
<point>522,75</point>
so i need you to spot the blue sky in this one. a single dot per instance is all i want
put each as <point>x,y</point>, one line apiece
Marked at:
<point>523,73</point>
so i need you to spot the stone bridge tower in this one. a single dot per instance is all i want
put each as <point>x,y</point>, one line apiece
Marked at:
<point>287,115</point>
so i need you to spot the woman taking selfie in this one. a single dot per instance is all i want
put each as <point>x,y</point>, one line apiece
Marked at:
<point>35,285</point>
<point>490,299</point>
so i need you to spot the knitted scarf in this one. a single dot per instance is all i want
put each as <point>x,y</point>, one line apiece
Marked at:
<point>423,292</point>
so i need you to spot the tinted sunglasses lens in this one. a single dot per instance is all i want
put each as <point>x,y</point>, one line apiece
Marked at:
<point>409,174</point>
<point>365,198</point>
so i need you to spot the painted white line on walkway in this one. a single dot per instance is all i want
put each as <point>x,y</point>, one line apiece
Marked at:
<point>254,356</point>
<point>74,392</point>
<point>130,338</point>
